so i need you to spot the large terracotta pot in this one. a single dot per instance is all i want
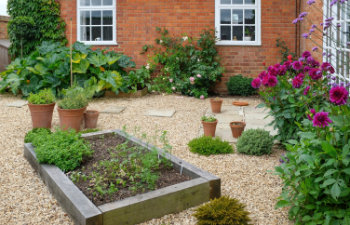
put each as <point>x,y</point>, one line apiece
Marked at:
<point>216,105</point>
<point>71,118</point>
<point>41,115</point>
<point>90,118</point>
<point>237,128</point>
<point>209,128</point>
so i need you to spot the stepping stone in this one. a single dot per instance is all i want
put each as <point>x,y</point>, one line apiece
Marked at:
<point>114,110</point>
<point>17,104</point>
<point>161,113</point>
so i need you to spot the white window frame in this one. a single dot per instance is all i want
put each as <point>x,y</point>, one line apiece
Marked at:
<point>113,7</point>
<point>257,8</point>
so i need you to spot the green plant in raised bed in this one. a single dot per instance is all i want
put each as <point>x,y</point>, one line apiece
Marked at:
<point>255,142</point>
<point>44,96</point>
<point>239,85</point>
<point>29,137</point>
<point>90,130</point>
<point>207,146</point>
<point>223,210</point>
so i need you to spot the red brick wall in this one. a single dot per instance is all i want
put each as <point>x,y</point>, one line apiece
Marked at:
<point>3,26</point>
<point>137,20</point>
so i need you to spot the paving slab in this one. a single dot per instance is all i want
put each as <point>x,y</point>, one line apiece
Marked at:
<point>17,104</point>
<point>161,112</point>
<point>114,109</point>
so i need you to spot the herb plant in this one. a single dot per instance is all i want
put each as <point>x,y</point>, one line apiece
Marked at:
<point>255,142</point>
<point>207,146</point>
<point>76,97</point>
<point>241,86</point>
<point>44,96</point>
<point>208,118</point>
<point>36,132</point>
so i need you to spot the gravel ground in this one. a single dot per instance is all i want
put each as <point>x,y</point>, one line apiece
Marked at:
<point>24,198</point>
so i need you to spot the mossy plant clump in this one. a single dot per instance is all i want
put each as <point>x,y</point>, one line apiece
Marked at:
<point>255,142</point>
<point>207,146</point>
<point>36,132</point>
<point>222,211</point>
<point>44,96</point>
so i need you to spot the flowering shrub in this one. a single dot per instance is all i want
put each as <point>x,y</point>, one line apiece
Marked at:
<point>184,65</point>
<point>293,88</point>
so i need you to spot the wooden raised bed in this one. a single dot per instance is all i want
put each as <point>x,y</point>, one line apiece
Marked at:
<point>201,188</point>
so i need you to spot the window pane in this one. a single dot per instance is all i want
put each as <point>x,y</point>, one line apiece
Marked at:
<point>239,2</point>
<point>250,2</point>
<point>85,33</point>
<point>107,2</point>
<point>225,2</point>
<point>107,17</point>
<point>237,33</point>
<point>249,16</point>
<point>84,17</point>
<point>225,16</point>
<point>107,33</point>
<point>237,16</point>
<point>96,34</point>
<point>96,2</point>
<point>96,17</point>
<point>225,33</point>
<point>249,33</point>
<point>84,2</point>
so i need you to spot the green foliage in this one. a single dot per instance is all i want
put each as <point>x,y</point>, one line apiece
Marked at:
<point>239,85</point>
<point>284,50</point>
<point>36,132</point>
<point>222,211</point>
<point>76,97</point>
<point>255,142</point>
<point>181,64</point>
<point>136,80</point>
<point>33,22</point>
<point>44,96</point>
<point>208,118</point>
<point>207,146</point>
<point>316,174</point>
<point>89,130</point>
<point>65,149</point>
<point>49,67</point>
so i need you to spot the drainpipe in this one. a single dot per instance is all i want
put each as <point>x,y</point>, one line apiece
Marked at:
<point>297,28</point>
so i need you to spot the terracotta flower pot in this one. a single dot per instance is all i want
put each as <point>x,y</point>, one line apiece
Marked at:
<point>71,118</point>
<point>90,118</point>
<point>41,115</point>
<point>240,103</point>
<point>237,128</point>
<point>216,105</point>
<point>209,128</point>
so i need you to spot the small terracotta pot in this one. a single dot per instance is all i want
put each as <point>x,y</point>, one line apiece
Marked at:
<point>237,128</point>
<point>216,105</point>
<point>240,103</point>
<point>71,118</point>
<point>90,118</point>
<point>209,128</point>
<point>41,115</point>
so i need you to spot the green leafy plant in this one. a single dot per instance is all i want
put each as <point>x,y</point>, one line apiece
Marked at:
<point>255,142</point>
<point>181,64</point>
<point>76,97</point>
<point>44,96</point>
<point>208,118</point>
<point>207,146</point>
<point>136,80</point>
<point>65,149</point>
<point>90,130</point>
<point>33,22</point>
<point>36,132</point>
<point>284,50</point>
<point>223,210</point>
<point>239,85</point>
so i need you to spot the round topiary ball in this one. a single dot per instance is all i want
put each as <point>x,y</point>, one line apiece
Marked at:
<point>223,210</point>
<point>255,142</point>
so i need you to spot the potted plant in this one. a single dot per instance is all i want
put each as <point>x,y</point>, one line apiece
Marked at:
<point>209,125</point>
<point>216,104</point>
<point>72,107</point>
<point>237,127</point>
<point>90,119</point>
<point>41,107</point>
<point>247,35</point>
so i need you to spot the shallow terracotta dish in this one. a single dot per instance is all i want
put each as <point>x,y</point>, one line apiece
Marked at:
<point>240,103</point>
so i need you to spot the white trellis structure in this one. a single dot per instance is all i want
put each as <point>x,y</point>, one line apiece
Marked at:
<point>336,41</point>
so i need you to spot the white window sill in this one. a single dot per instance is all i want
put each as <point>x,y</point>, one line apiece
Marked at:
<point>99,42</point>
<point>238,43</point>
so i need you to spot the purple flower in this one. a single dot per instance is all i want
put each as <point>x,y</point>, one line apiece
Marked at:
<point>303,14</point>
<point>305,35</point>
<point>311,31</point>
<point>297,65</point>
<point>306,54</point>
<point>283,70</point>
<point>314,49</point>
<point>313,111</point>
<point>301,59</point>
<point>313,26</point>
<point>295,21</point>
<point>201,97</point>
<point>297,82</point>
<point>333,2</point>
<point>315,73</point>
<point>306,69</point>
<point>306,90</point>
<point>262,75</point>
<point>321,119</point>
<point>256,83</point>
<point>287,64</point>
<point>270,81</point>
<point>310,2</point>
<point>338,95</point>
<point>326,66</point>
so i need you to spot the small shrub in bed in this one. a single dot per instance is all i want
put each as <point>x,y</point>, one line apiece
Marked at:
<point>207,146</point>
<point>223,210</point>
<point>239,85</point>
<point>255,142</point>
<point>34,133</point>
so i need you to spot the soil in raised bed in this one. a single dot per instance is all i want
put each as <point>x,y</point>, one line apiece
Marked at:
<point>100,144</point>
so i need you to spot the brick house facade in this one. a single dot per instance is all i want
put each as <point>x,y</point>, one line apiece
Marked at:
<point>3,26</point>
<point>135,22</point>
